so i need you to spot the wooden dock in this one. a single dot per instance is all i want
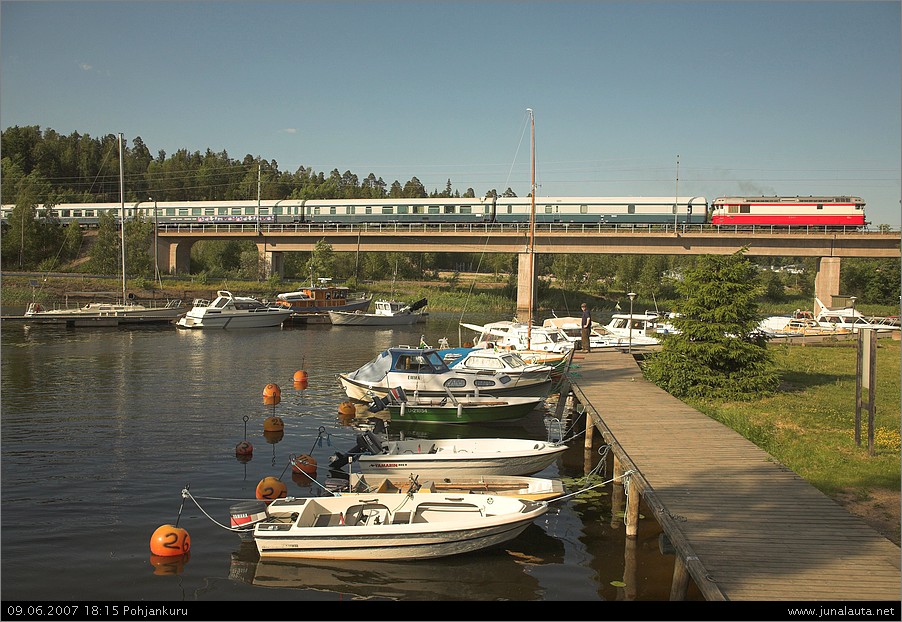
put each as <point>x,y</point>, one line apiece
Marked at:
<point>744,527</point>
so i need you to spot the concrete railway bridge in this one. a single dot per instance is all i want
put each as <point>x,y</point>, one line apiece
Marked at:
<point>174,243</point>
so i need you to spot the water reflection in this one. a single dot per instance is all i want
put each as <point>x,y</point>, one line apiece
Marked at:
<point>501,573</point>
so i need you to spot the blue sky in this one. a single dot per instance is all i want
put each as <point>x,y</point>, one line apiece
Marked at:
<point>754,97</point>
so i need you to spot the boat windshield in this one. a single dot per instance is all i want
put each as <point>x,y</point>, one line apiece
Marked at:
<point>421,362</point>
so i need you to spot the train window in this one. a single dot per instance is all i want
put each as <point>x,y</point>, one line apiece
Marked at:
<point>249,211</point>
<point>449,209</point>
<point>403,209</point>
<point>466,209</point>
<point>89,213</point>
<point>316,211</point>
<point>388,209</point>
<point>65,213</point>
<point>433,209</point>
<point>820,206</point>
<point>208,211</point>
<point>510,209</point>
<point>732,209</point>
<point>745,208</point>
<point>332,210</point>
<point>170,211</point>
<point>631,208</point>
<point>583,209</point>
<point>275,210</point>
<point>674,207</point>
<point>369,209</point>
<point>417,209</point>
<point>264,211</point>
<point>77,213</point>
<point>352,209</point>
<point>548,209</point>
<point>195,211</point>
<point>183,211</point>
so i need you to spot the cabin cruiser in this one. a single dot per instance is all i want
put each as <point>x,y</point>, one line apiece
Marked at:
<point>228,311</point>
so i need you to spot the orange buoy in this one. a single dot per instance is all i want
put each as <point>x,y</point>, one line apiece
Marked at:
<point>169,541</point>
<point>271,488</point>
<point>300,385</point>
<point>169,565</point>
<point>347,409</point>
<point>304,464</point>
<point>273,424</point>
<point>244,448</point>
<point>300,376</point>
<point>272,394</point>
<point>273,436</point>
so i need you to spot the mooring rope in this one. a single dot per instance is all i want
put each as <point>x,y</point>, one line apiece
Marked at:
<point>188,495</point>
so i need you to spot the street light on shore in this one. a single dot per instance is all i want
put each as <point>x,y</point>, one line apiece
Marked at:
<point>632,297</point>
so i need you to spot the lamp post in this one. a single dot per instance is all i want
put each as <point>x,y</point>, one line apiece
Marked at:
<point>156,249</point>
<point>632,297</point>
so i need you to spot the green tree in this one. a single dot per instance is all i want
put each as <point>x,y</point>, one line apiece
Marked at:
<point>321,260</point>
<point>716,352</point>
<point>105,253</point>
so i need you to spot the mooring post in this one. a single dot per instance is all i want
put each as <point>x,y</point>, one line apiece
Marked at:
<point>632,511</point>
<point>629,569</point>
<point>680,584</point>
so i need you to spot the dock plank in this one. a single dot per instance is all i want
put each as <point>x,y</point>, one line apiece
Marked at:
<point>746,527</point>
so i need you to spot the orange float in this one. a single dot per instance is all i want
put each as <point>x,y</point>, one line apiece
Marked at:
<point>271,488</point>
<point>272,394</point>
<point>244,449</point>
<point>300,376</point>
<point>347,409</point>
<point>304,464</point>
<point>169,541</point>
<point>274,436</point>
<point>273,424</point>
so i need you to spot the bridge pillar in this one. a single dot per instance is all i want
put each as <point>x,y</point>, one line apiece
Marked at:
<point>826,281</point>
<point>174,256</point>
<point>525,285</point>
<point>273,261</point>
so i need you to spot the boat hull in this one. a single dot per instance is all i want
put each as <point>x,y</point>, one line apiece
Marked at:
<point>452,458</point>
<point>484,410</point>
<point>384,527</point>
<point>363,391</point>
<point>346,318</point>
<point>521,487</point>
<point>268,319</point>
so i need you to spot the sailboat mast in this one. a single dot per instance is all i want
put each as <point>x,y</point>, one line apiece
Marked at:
<point>122,213</point>
<point>532,227</point>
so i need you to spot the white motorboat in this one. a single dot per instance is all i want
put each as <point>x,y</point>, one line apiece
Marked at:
<point>519,486</point>
<point>388,313</point>
<point>599,338</point>
<point>228,311</point>
<point>391,526</point>
<point>421,372</point>
<point>634,329</point>
<point>516,335</point>
<point>450,457</point>
<point>849,318</point>
<point>476,361</point>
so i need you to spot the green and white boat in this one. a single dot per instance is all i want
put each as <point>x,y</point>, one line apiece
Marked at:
<point>462,409</point>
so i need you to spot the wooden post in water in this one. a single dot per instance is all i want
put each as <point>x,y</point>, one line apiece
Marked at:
<point>866,383</point>
<point>632,511</point>
<point>680,584</point>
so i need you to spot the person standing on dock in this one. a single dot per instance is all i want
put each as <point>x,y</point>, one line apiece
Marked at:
<point>586,324</point>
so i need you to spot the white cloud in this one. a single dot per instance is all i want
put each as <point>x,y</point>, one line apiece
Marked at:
<point>86,66</point>
<point>290,130</point>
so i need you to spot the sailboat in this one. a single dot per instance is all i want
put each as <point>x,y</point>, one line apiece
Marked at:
<point>127,311</point>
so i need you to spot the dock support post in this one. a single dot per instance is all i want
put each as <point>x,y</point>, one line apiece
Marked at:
<point>680,584</point>
<point>629,569</point>
<point>632,511</point>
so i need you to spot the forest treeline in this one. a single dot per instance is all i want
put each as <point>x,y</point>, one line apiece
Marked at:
<point>43,166</point>
<point>81,168</point>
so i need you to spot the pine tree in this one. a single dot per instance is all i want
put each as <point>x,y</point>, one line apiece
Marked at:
<point>716,352</point>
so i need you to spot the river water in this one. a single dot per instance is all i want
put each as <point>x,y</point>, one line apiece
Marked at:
<point>102,428</point>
